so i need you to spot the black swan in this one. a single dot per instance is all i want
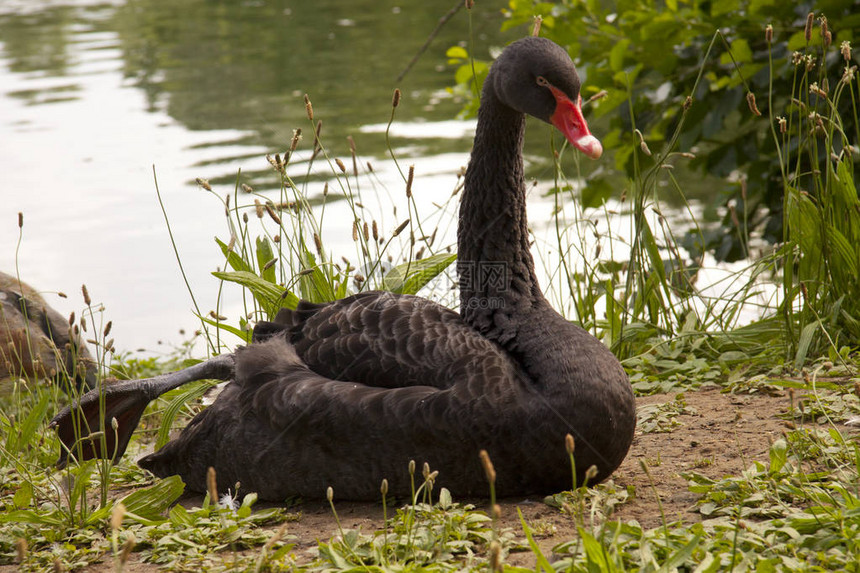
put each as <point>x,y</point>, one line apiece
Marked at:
<point>346,393</point>
<point>37,342</point>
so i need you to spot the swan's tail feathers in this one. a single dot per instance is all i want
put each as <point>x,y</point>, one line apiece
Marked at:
<point>86,427</point>
<point>286,319</point>
<point>264,330</point>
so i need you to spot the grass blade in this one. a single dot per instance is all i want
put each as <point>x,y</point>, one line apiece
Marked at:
<point>186,394</point>
<point>542,561</point>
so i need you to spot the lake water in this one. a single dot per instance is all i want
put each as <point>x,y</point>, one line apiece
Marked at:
<point>97,98</point>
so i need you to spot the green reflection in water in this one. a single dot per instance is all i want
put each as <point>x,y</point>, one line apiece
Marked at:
<point>245,66</point>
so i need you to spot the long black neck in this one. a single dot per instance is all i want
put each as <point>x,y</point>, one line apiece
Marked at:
<point>498,287</point>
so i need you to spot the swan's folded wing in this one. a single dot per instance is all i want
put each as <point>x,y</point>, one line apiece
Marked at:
<point>386,340</point>
<point>304,420</point>
<point>281,429</point>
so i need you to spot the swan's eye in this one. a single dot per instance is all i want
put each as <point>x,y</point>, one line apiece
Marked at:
<point>541,81</point>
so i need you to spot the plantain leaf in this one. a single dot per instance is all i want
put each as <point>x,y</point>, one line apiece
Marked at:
<point>149,504</point>
<point>681,556</point>
<point>23,496</point>
<point>180,517</point>
<point>844,257</point>
<point>778,454</point>
<point>804,343</point>
<point>53,519</point>
<point>653,250</point>
<point>28,427</point>
<point>595,554</point>
<point>264,255</point>
<point>316,284</point>
<point>408,278</point>
<point>269,295</point>
<point>236,262</point>
<point>188,392</point>
<point>245,335</point>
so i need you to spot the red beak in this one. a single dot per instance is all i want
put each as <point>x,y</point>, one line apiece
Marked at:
<point>568,120</point>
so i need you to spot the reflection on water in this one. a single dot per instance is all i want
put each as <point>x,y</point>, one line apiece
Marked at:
<point>244,66</point>
<point>100,97</point>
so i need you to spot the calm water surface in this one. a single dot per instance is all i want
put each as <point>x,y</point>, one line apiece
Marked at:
<point>97,98</point>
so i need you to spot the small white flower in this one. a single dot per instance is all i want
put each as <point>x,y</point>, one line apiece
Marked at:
<point>227,501</point>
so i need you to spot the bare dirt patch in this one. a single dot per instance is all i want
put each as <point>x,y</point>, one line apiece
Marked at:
<point>724,436</point>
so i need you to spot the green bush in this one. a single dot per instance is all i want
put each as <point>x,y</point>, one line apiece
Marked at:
<point>648,55</point>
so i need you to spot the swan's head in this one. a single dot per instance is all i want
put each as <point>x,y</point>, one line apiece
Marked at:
<point>537,77</point>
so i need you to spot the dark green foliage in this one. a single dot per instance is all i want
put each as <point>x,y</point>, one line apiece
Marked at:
<point>762,99</point>
<point>648,56</point>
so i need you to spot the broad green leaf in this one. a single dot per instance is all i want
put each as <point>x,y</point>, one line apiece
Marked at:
<point>797,41</point>
<point>264,255</point>
<point>234,260</point>
<point>463,75</point>
<point>778,454</point>
<point>269,295</point>
<point>681,556</point>
<point>180,517</point>
<point>556,190</point>
<point>653,250</point>
<point>23,496</point>
<point>52,519</point>
<point>844,255</point>
<point>341,290</point>
<point>733,357</point>
<point>445,500</point>
<point>846,186</point>
<point>82,479</point>
<point>317,284</point>
<point>149,504</point>
<point>616,97</point>
<point>29,426</point>
<point>186,393</point>
<point>741,52</point>
<point>99,515</point>
<point>242,334</point>
<point>408,278</point>
<point>658,29</point>
<point>761,6</point>
<point>596,192</point>
<point>249,500</point>
<point>616,55</point>
<point>803,345</point>
<point>596,555</point>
